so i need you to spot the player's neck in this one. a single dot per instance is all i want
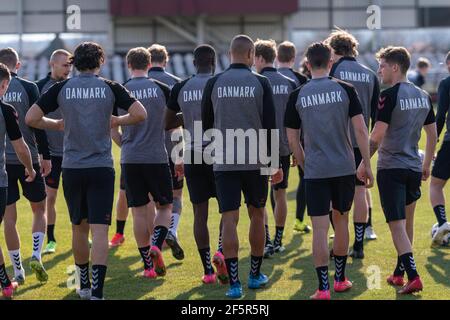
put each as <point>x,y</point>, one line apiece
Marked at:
<point>319,73</point>
<point>398,79</point>
<point>205,70</point>
<point>158,65</point>
<point>286,65</point>
<point>139,73</point>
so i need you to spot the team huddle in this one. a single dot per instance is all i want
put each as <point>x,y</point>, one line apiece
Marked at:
<point>328,121</point>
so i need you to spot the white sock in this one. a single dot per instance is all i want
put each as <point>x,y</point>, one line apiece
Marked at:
<point>38,241</point>
<point>174,223</point>
<point>16,261</point>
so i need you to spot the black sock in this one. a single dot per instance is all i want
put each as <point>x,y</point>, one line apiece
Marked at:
<point>267,234</point>
<point>51,233</point>
<point>300,198</point>
<point>439,211</point>
<point>399,268</point>
<point>159,235</point>
<point>98,280</point>
<point>410,265</point>
<point>255,263</point>
<point>331,218</point>
<point>278,236</point>
<point>84,275</point>
<point>359,236</point>
<point>233,270</point>
<point>340,263</point>
<point>4,279</point>
<point>205,255</point>
<point>120,226</point>
<point>145,254</point>
<point>322,274</point>
<point>369,221</point>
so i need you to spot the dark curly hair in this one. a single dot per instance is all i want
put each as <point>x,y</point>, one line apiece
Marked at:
<point>88,56</point>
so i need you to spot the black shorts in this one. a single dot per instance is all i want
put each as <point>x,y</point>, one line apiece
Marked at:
<point>200,182</point>
<point>177,184</point>
<point>32,191</point>
<point>358,159</point>
<point>441,167</point>
<point>142,179</point>
<point>89,194</point>
<point>339,191</point>
<point>52,180</point>
<point>285,165</point>
<point>398,188</point>
<point>3,198</point>
<point>229,185</point>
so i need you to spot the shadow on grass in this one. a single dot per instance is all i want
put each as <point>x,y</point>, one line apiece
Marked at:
<point>50,261</point>
<point>438,266</point>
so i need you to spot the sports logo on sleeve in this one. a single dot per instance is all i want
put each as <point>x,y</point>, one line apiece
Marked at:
<point>381,102</point>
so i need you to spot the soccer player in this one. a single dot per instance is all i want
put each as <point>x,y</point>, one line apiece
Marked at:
<point>323,108</point>
<point>60,69</point>
<point>21,94</point>
<point>286,53</point>
<point>87,103</point>
<point>186,98</point>
<point>441,168</point>
<point>403,111</point>
<point>146,169</point>
<point>344,52</point>
<point>418,75</point>
<point>160,58</point>
<point>239,99</point>
<point>282,86</point>
<point>10,128</point>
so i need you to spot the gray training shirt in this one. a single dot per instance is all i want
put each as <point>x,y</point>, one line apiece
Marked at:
<point>282,87</point>
<point>144,142</point>
<point>238,99</point>
<point>21,94</point>
<point>322,108</point>
<point>170,80</point>
<point>9,127</point>
<point>366,84</point>
<point>295,76</point>
<point>55,138</point>
<point>87,103</point>
<point>406,109</point>
<point>186,97</point>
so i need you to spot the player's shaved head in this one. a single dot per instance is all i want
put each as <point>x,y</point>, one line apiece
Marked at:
<point>241,45</point>
<point>242,50</point>
<point>205,58</point>
<point>59,53</point>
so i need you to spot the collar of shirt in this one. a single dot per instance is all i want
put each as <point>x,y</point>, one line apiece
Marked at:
<point>203,75</point>
<point>87,74</point>
<point>239,66</point>
<point>13,74</point>
<point>348,58</point>
<point>156,69</point>
<point>271,69</point>
<point>321,78</point>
